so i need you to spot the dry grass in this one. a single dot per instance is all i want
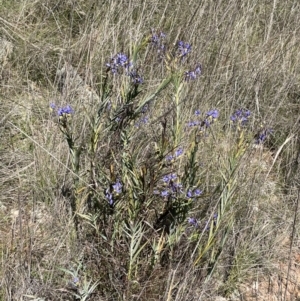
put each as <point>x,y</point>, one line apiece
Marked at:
<point>55,223</point>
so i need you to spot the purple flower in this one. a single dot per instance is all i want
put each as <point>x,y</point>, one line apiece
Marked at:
<point>192,221</point>
<point>210,117</point>
<point>120,60</point>
<point>192,123</point>
<point>157,40</point>
<point>145,119</point>
<point>68,110</point>
<point>262,136</point>
<point>198,69</point>
<point>64,111</point>
<point>207,123</point>
<point>240,116</point>
<point>109,197</point>
<point>175,187</point>
<point>183,48</point>
<point>171,186</point>
<point>117,187</point>
<point>172,176</point>
<point>189,194</point>
<point>60,112</point>
<point>164,193</point>
<point>169,157</point>
<point>166,178</point>
<point>213,114</point>
<point>179,152</point>
<point>142,120</point>
<point>197,112</point>
<point>197,192</point>
<point>144,108</point>
<point>191,75</point>
<point>136,78</point>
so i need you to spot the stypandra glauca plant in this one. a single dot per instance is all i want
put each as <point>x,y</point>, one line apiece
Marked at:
<point>137,170</point>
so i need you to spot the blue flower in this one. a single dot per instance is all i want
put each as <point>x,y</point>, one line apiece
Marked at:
<point>262,136</point>
<point>195,193</point>
<point>192,221</point>
<point>210,117</point>
<point>189,194</point>
<point>198,69</point>
<point>175,187</point>
<point>191,75</point>
<point>183,48</point>
<point>172,176</point>
<point>157,40</point>
<point>169,157</point>
<point>65,111</point>
<point>117,187</point>
<point>136,78</point>
<point>193,123</point>
<point>120,60</point>
<point>213,114</point>
<point>198,192</point>
<point>197,112</point>
<point>240,116</point>
<point>171,185</point>
<point>109,197</point>
<point>143,120</point>
<point>166,178</point>
<point>60,112</point>
<point>68,110</point>
<point>144,108</point>
<point>179,152</point>
<point>164,193</point>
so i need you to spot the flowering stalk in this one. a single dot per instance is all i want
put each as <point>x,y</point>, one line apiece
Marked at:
<point>64,115</point>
